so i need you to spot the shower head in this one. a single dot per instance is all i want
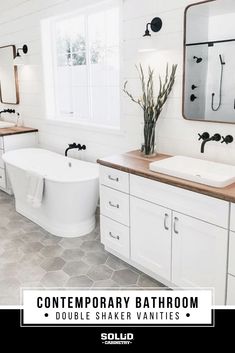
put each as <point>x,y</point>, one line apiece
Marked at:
<point>198,60</point>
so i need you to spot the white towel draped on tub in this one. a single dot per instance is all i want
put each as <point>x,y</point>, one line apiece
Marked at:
<point>35,189</point>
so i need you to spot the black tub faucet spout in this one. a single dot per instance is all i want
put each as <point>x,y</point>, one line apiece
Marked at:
<point>10,111</point>
<point>73,146</point>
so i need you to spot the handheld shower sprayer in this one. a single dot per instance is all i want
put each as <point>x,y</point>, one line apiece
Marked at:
<point>215,109</point>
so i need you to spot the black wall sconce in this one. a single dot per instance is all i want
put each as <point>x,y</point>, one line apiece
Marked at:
<point>24,50</point>
<point>18,57</point>
<point>155,26</point>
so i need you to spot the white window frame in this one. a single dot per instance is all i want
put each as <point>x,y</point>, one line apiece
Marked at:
<point>53,115</point>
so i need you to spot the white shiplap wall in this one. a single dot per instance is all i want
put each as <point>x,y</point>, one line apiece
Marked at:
<point>20,24</point>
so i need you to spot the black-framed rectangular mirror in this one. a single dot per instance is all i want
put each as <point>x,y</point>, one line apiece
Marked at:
<point>9,90</point>
<point>209,61</point>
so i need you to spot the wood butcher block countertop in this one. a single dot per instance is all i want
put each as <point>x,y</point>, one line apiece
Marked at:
<point>134,163</point>
<point>16,130</point>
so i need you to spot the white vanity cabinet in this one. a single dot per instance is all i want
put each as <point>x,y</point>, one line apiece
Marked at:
<point>183,250</point>
<point>197,233</point>
<point>12,142</point>
<point>177,236</point>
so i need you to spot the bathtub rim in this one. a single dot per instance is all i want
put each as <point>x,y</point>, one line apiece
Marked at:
<point>54,180</point>
<point>50,179</point>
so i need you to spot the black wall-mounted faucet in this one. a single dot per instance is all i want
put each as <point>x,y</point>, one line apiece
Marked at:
<point>215,137</point>
<point>73,146</point>
<point>10,111</point>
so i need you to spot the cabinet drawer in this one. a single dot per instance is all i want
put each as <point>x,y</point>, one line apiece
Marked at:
<point>114,179</point>
<point>114,204</point>
<point>115,236</point>
<point>1,160</point>
<point>2,178</point>
<point>203,207</point>
<point>232,219</point>
<point>231,290</point>
<point>231,266</point>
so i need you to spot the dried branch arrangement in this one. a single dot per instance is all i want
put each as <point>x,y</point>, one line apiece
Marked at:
<point>152,106</point>
<point>147,101</point>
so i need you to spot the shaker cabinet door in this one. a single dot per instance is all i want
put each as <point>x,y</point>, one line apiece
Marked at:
<point>151,237</point>
<point>199,255</point>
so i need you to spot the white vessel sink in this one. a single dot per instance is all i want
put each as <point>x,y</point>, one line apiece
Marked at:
<point>4,124</point>
<point>200,171</point>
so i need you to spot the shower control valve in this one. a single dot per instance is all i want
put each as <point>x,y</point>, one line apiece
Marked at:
<point>193,97</point>
<point>228,139</point>
<point>204,136</point>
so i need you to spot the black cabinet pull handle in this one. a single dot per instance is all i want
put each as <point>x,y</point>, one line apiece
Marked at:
<point>165,221</point>
<point>113,179</point>
<point>114,236</point>
<point>112,205</point>
<point>176,220</point>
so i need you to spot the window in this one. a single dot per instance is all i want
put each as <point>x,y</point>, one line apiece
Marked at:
<point>82,66</point>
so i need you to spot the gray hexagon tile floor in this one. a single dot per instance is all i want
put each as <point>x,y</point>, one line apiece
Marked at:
<point>31,257</point>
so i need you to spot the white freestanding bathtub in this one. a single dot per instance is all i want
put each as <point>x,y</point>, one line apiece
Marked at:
<point>70,191</point>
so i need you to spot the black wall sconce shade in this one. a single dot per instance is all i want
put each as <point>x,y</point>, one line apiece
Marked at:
<point>24,50</point>
<point>155,25</point>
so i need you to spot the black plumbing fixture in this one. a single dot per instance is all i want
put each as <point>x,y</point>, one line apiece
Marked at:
<point>10,111</point>
<point>222,62</point>
<point>194,87</point>
<point>215,137</point>
<point>73,146</point>
<point>204,136</point>
<point>215,109</point>
<point>227,139</point>
<point>198,60</point>
<point>193,97</point>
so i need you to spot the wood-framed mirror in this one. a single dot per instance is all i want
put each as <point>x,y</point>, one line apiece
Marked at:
<point>209,61</point>
<point>9,88</point>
